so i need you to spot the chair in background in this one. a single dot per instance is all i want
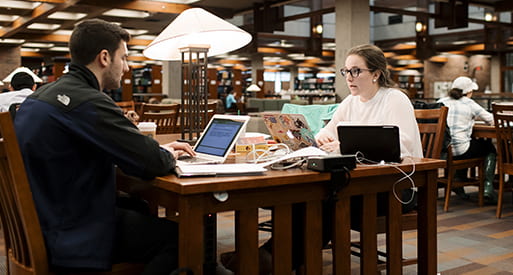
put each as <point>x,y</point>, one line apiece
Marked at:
<point>432,124</point>
<point>25,247</point>
<point>164,115</point>
<point>126,105</point>
<point>503,118</point>
<point>450,182</point>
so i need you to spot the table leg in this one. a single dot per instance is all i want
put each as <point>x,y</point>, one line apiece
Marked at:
<point>427,242</point>
<point>341,241</point>
<point>313,237</point>
<point>394,236</point>
<point>282,239</point>
<point>246,228</point>
<point>190,236</point>
<point>368,235</point>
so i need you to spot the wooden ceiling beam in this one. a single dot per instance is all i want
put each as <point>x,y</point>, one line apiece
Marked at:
<point>42,11</point>
<point>140,5</point>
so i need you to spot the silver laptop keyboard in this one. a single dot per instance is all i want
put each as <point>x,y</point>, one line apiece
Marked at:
<point>189,159</point>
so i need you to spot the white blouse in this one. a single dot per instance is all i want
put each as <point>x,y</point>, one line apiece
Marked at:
<point>389,106</point>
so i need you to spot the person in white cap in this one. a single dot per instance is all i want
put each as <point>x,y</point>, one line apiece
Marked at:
<point>463,111</point>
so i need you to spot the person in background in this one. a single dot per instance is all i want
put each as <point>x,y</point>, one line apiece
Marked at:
<point>22,85</point>
<point>231,103</point>
<point>463,112</point>
<point>72,137</point>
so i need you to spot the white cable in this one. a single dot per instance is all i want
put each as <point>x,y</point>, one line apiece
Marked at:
<point>361,159</point>
<point>261,155</point>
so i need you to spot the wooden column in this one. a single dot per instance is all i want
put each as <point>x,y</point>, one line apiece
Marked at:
<point>156,79</point>
<point>127,86</point>
<point>212,83</point>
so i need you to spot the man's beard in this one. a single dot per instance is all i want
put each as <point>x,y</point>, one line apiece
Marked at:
<point>110,83</point>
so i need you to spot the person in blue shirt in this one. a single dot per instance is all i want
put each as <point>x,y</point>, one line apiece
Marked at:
<point>73,137</point>
<point>463,112</point>
<point>231,103</point>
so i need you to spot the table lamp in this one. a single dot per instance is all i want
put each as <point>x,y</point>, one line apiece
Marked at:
<point>193,36</point>
<point>253,88</point>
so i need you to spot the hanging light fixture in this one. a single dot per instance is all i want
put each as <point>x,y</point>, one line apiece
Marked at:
<point>192,37</point>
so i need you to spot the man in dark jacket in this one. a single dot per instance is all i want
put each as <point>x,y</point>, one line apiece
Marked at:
<point>72,136</point>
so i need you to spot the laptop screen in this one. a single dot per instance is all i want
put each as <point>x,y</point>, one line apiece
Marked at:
<point>375,143</point>
<point>218,137</point>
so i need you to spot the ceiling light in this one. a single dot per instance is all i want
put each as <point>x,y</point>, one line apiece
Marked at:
<point>41,26</point>
<point>138,47</point>
<point>59,49</point>
<point>126,13</point>
<point>63,32</point>
<point>8,18</point>
<point>29,50</point>
<point>12,41</point>
<point>145,37</point>
<point>489,16</point>
<point>318,29</point>
<point>420,27</point>
<point>38,45</point>
<point>136,32</point>
<point>67,15</point>
<point>19,4</point>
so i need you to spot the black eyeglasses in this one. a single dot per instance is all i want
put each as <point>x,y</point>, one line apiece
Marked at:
<point>354,72</point>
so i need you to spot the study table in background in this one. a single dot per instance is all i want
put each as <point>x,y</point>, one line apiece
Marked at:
<point>193,199</point>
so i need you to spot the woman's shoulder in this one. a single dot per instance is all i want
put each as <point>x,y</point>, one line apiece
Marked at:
<point>394,93</point>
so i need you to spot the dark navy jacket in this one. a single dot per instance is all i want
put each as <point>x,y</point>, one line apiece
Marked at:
<point>71,136</point>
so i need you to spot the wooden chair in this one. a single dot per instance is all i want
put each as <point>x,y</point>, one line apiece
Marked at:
<point>164,115</point>
<point>503,118</point>
<point>473,179</point>
<point>25,247</point>
<point>126,105</point>
<point>432,124</point>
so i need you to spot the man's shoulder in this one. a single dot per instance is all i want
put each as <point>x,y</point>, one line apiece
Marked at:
<point>67,94</point>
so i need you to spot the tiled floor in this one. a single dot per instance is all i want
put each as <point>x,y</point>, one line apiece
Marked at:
<point>470,239</point>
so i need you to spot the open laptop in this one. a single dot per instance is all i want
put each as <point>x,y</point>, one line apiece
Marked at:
<point>290,129</point>
<point>217,140</point>
<point>375,143</point>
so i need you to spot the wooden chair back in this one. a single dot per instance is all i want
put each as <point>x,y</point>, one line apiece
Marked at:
<point>164,115</point>
<point>503,118</point>
<point>24,243</point>
<point>25,248</point>
<point>126,105</point>
<point>432,124</point>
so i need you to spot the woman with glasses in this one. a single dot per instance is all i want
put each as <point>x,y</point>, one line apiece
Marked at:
<point>373,100</point>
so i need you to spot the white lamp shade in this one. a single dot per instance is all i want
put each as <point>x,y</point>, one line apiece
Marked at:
<point>196,26</point>
<point>23,69</point>
<point>253,88</point>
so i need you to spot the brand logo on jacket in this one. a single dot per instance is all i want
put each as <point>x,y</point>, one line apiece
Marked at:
<point>64,99</point>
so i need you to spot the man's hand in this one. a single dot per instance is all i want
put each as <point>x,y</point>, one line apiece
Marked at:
<point>179,148</point>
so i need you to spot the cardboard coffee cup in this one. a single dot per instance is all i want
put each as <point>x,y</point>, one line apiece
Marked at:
<point>148,128</point>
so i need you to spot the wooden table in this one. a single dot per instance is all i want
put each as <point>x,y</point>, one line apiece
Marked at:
<point>483,131</point>
<point>193,199</point>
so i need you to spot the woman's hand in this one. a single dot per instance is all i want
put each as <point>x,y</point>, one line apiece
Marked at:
<point>179,148</point>
<point>330,146</point>
<point>327,143</point>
